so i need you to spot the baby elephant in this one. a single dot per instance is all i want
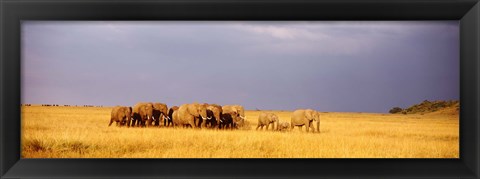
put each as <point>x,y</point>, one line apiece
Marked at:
<point>121,115</point>
<point>283,126</point>
<point>265,119</point>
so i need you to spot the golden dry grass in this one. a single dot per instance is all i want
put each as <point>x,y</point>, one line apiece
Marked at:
<point>82,132</point>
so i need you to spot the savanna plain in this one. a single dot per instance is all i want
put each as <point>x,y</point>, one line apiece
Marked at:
<point>83,132</point>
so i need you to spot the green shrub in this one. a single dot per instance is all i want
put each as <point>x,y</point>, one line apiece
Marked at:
<point>395,110</point>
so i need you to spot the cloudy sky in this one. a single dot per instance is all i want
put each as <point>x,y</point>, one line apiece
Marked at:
<point>356,66</point>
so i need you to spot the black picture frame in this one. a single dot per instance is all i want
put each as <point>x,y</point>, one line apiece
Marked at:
<point>14,11</point>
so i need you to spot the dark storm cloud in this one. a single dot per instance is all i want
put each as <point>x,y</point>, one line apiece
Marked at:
<point>329,66</point>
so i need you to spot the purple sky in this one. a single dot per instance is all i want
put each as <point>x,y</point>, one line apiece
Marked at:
<point>355,66</point>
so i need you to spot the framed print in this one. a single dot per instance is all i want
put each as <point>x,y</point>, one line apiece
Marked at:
<point>239,89</point>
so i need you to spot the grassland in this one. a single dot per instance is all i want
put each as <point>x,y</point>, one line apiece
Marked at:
<point>82,132</point>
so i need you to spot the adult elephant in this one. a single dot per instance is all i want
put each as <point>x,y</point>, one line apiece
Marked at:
<point>142,114</point>
<point>160,111</point>
<point>305,117</point>
<point>233,115</point>
<point>226,120</point>
<point>214,113</point>
<point>187,114</point>
<point>121,115</point>
<point>265,119</point>
<point>170,115</point>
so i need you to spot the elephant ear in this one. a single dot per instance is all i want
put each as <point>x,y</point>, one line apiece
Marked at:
<point>308,114</point>
<point>237,110</point>
<point>272,118</point>
<point>192,109</point>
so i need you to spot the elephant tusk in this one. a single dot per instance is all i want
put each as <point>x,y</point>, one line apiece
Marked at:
<point>243,117</point>
<point>209,118</point>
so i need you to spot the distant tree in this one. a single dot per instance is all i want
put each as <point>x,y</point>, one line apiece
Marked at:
<point>395,110</point>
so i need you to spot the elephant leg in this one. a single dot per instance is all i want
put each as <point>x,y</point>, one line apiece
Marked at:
<point>149,122</point>
<point>193,125</point>
<point>258,126</point>
<point>192,121</point>
<point>308,127</point>
<point>128,122</point>
<point>165,121</point>
<point>313,128</point>
<point>205,123</point>
<point>111,121</point>
<point>300,128</point>
<point>157,121</point>
<point>200,122</point>
<point>268,125</point>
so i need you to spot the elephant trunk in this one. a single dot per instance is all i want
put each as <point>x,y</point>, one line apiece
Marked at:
<point>165,116</point>
<point>318,126</point>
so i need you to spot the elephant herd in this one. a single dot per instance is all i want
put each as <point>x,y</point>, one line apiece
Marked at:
<point>195,115</point>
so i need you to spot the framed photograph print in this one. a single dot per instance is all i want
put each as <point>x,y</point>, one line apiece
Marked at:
<point>239,89</point>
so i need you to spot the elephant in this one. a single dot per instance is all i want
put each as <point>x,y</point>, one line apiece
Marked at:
<point>226,121</point>
<point>233,115</point>
<point>121,115</point>
<point>214,113</point>
<point>160,110</point>
<point>170,115</point>
<point>175,118</point>
<point>305,117</point>
<point>188,114</point>
<point>283,126</point>
<point>265,119</point>
<point>142,114</point>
